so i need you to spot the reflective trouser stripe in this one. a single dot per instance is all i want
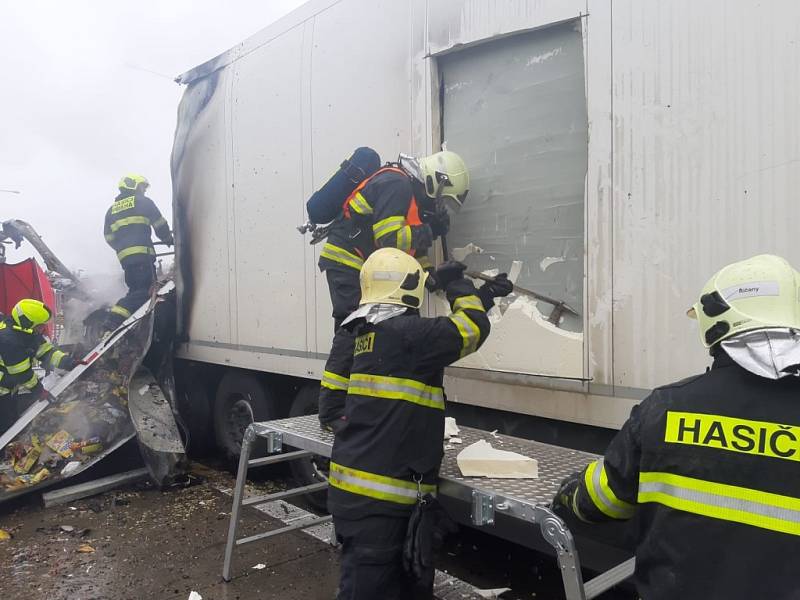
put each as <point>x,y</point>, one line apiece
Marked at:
<point>375,486</point>
<point>332,381</point>
<point>360,205</point>
<point>603,497</point>
<point>31,383</point>
<point>131,250</point>
<point>468,303</point>
<point>396,388</point>
<point>342,256</point>
<point>120,310</point>
<point>387,226</point>
<point>20,367</point>
<point>124,222</point>
<point>721,501</point>
<point>55,360</point>
<point>44,349</point>
<point>470,332</point>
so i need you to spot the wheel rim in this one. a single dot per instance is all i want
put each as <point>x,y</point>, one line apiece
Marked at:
<point>238,418</point>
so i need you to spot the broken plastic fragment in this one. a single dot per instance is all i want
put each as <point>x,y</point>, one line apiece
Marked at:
<point>70,467</point>
<point>481,460</point>
<point>455,440</point>
<point>259,566</point>
<point>450,428</point>
<point>195,596</point>
<point>85,549</point>
<point>493,593</point>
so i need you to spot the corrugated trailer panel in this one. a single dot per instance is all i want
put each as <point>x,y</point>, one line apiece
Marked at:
<point>706,156</point>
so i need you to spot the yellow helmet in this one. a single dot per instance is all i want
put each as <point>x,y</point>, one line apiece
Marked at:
<point>391,276</point>
<point>131,181</point>
<point>758,293</point>
<point>29,313</point>
<point>445,175</point>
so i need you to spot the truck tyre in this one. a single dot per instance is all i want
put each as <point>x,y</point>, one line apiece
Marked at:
<point>194,407</point>
<point>241,399</point>
<point>306,471</point>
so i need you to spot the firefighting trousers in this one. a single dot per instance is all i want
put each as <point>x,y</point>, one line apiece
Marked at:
<point>139,277</point>
<point>345,290</point>
<point>372,561</point>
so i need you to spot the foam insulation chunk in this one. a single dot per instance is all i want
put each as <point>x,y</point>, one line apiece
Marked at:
<point>481,460</point>
<point>450,428</point>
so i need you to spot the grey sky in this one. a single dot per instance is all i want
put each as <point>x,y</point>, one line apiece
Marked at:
<point>87,95</point>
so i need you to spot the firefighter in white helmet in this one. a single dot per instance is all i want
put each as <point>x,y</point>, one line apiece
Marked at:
<point>386,457</point>
<point>709,464</point>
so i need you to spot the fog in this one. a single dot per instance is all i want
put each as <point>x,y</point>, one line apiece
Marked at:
<point>88,95</point>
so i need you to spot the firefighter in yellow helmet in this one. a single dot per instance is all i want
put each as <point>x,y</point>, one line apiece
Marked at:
<point>709,464</point>
<point>128,225</point>
<point>401,206</point>
<point>21,346</point>
<point>390,446</point>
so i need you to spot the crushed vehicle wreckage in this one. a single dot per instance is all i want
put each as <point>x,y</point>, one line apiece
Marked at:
<point>123,391</point>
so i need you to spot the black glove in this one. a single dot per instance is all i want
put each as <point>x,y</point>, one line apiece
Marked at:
<point>566,493</point>
<point>447,273</point>
<point>500,286</point>
<point>427,529</point>
<point>67,363</point>
<point>421,237</point>
<point>439,223</point>
<point>43,394</point>
<point>169,240</point>
<point>430,282</point>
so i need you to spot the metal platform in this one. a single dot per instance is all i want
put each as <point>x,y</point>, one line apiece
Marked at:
<point>525,500</point>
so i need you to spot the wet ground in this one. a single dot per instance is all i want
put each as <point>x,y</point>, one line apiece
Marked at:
<point>140,543</point>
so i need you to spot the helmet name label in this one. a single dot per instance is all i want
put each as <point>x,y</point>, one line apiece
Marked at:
<point>124,204</point>
<point>761,438</point>
<point>364,343</point>
<point>750,290</point>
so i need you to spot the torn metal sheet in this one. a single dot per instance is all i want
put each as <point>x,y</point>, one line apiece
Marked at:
<point>156,430</point>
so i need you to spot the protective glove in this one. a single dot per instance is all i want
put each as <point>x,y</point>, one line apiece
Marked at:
<point>421,237</point>
<point>169,241</point>
<point>501,286</point>
<point>430,282</point>
<point>43,394</point>
<point>427,528</point>
<point>564,498</point>
<point>439,223</point>
<point>447,273</point>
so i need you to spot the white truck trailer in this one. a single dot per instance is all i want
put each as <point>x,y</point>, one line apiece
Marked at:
<point>620,150</point>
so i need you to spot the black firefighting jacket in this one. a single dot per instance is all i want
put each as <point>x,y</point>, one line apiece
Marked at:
<point>127,226</point>
<point>709,468</point>
<point>19,348</point>
<point>382,212</point>
<point>395,406</point>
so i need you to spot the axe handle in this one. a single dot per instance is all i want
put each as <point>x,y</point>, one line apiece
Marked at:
<point>521,290</point>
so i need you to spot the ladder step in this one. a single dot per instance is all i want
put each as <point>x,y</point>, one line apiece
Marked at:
<point>306,489</point>
<point>299,525</point>
<point>276,458</point>
<point>609,579</point>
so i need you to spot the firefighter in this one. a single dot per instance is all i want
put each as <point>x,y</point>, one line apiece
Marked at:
<point>709,464</point>
<point>127,230</point>
<point>21,345</point>
<point>402,206</point>
<point>391,445</point>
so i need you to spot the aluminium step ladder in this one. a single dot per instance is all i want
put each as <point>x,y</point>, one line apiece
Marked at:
<point>524,500</point>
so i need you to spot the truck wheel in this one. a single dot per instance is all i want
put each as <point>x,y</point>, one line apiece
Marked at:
<point>315,468</point>
<point>241,400</point>
<point>194,407</point>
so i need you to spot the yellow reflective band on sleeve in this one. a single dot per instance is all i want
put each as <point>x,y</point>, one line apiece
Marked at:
<point>376,486</point>
<point>31,383</point>
<point>131,250</point>
<point>19,367</point>
<point>721,501</point>
<point>333,381</point>
<point>404,239</point>
<point>109,237</point>
<point>120,310</point>
<point>342,256</point>
<point>396,388</point>
<point>470,332</point>
<point>603,497</point>
<point>44,349</point>
<point>468,303</point>
<point>120,223</point>
<point>387,226</point>
<point>761,438</point>
<point>360,205</point>
<point>160,222</point>
<point>58,355</point>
